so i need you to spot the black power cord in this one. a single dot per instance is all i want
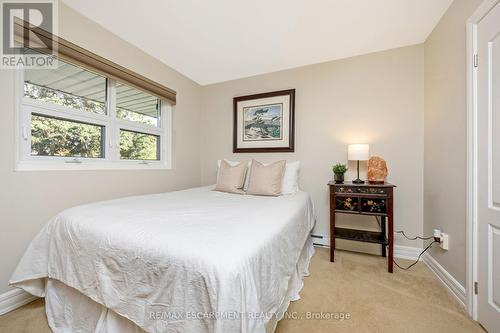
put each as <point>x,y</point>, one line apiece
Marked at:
<point>412,238</point>
<point>418,259</point>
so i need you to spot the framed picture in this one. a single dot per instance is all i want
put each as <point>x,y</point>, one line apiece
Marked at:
<point>264,123</point>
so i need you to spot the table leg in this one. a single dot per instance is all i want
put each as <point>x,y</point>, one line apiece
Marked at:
<point>332,225</point>
<point>390,235</point>
<point>382,229</point>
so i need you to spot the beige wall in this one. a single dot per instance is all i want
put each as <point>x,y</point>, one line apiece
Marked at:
<point>376,99</point>
<point>29,199</point>
<point>446,135</point>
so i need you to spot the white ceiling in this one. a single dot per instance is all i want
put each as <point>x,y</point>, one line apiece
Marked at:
<point>218,40</point>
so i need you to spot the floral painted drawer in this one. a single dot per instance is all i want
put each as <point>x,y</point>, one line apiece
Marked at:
<point>370,205</point>
<point>347,203</point>
<point>361,190</point>
<point>346,189</point>
<point>372,190</point>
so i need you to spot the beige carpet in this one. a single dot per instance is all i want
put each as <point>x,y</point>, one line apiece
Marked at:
<point>356,287</point>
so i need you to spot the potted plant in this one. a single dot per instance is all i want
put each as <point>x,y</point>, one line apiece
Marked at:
<point>339,170</point>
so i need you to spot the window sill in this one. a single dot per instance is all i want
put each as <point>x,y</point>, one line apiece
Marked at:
<point>84,166</point>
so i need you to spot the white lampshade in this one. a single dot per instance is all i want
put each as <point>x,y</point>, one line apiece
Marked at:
<point>358,152</point>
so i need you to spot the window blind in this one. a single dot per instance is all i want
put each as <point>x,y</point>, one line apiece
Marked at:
<point>67,51</point>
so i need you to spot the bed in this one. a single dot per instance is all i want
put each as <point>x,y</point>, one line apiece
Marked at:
<point>195,260</point>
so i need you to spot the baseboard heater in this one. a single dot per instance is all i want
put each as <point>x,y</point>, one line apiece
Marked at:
<point>320,240</point>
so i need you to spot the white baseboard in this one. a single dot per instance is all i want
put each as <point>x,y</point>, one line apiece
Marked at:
<point>455,288</point>
<point>14,299</point>
<point>407,252</point>
<point>402,252</point>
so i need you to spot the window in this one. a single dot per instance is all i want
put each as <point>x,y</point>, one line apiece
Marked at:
<point>51,136</point>
<point>139,146</point>
<point>71,117</point>
<point>68,86</point>
<point>135,105</point>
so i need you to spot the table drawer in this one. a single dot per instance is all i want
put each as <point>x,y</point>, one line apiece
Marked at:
<point>363,190</point>
<point>347,203</point>
<point>373,205</point>
<point>345,189</point>
<point>372,190</point>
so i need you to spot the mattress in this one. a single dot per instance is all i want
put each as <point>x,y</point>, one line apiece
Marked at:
<point>195,260</point>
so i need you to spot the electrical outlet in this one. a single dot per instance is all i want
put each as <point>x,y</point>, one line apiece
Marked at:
<point>437,235</point>
<point>444,241</point>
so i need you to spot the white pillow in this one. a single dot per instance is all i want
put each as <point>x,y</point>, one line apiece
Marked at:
<point>233,163</point>
<point>290,182</point>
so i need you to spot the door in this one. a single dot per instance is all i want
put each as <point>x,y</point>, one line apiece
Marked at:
<point>488,204</point>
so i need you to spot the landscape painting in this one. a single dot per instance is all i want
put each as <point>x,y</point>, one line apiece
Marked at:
<point>263,122</point>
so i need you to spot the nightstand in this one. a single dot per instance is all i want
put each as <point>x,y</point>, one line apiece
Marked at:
<point>369,199</point>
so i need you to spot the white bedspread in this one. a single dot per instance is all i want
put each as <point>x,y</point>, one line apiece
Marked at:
<point>187,261</point>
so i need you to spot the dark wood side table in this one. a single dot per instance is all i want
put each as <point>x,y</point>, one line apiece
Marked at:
<point>369,199</point>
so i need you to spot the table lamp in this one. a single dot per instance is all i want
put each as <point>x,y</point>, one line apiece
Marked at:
<point>358,152</point>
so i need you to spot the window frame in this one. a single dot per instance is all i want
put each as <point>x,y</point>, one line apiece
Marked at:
<point>26,106</point>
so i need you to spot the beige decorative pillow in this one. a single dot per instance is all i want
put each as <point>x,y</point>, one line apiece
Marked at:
<point>266,179</point>
<point>231,178</point>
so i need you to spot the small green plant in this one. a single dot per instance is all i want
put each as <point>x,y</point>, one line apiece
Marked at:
<point>339,168</point>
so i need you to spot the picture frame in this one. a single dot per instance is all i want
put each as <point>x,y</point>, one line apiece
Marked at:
<point>264,123</point>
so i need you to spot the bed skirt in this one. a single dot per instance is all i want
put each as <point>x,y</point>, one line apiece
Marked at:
<point>68,310</point>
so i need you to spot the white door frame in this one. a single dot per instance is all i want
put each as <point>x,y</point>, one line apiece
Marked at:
<point>471,238</point>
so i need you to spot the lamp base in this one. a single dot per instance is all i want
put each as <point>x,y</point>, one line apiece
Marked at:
<point>358,181</point>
